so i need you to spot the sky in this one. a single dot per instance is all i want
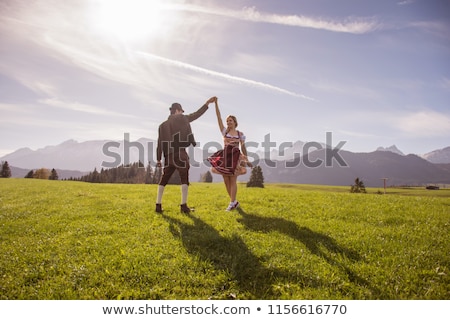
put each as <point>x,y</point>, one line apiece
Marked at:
<point>373,73</point>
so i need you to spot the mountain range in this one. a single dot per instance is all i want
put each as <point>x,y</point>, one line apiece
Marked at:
<point>371,168</point>
<point>74,159</point>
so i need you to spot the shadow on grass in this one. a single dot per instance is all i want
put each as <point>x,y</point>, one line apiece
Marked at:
<point>254,280</point>
<point>314,241</point>
<point>317,243</point>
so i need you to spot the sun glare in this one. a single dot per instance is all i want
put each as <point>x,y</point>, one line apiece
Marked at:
<point>133,19</point>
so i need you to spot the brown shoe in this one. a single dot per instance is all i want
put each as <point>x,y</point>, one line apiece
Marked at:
<point>158,208</point>
<point>185,209</point>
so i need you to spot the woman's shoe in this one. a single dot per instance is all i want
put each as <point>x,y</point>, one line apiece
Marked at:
<point>232,206</point>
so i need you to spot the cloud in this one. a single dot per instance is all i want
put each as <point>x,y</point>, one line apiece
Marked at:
<point>82,107</point>
<point>27,116</point>
<point>425,123</point>
<point>438,29</point>
<point>346,89</point>
<point>405,2</point>
<point>350,25</point>
<point>221,75</point>
<point>359,134</point>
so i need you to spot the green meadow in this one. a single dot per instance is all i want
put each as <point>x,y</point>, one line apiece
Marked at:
<point>75,240</point>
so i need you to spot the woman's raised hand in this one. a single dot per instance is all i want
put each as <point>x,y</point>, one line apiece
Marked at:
<point>211,100</point>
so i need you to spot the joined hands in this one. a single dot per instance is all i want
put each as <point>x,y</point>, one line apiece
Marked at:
<point>211,100</point>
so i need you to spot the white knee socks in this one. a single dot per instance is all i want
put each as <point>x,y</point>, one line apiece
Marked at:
<point>160,194</point>
<point>184,193</point>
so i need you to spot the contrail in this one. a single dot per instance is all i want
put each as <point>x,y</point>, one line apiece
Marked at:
<point>222,75</point>
<point>354,25</point>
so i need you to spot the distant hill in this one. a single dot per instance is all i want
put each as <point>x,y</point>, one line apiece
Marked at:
<point>81,156</point>
<point>18,172</point>
<point>74,159</point>
<point>370,167</point>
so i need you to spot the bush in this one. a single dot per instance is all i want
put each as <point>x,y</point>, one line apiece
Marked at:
<point>358,187</point>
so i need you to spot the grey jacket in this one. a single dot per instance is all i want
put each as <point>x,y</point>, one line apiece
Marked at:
<point>175,133</point>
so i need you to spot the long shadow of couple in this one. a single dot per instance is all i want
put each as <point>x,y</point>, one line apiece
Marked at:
<point>233,256</point>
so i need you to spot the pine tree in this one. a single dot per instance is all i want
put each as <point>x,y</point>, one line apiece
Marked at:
<point>6,170</point>
<point>157,175</point>
<point>53,175</point>
<point>30,174</point>
<point>149,174</point>
<point>95,176</point>
<point>141,173</point>
<point>256,178</point>
<point>134,173</point>
<point>103,176</point>
<point>206,177</point>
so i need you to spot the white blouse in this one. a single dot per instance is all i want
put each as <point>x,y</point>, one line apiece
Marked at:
<point>241,135</point>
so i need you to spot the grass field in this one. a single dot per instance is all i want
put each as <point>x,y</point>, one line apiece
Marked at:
<point>74,240</point>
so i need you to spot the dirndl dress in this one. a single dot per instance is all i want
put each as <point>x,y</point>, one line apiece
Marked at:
<point>229,161</point>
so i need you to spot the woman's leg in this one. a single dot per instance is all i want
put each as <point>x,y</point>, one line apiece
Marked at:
<point>226,179</point>
<point>233,188</point>
<point>231,184</point>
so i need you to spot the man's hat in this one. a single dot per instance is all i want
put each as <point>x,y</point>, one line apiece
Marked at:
<point>176,106</point>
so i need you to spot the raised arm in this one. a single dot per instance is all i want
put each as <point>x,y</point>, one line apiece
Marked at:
<point>197,114</point>
<point>219,118</point>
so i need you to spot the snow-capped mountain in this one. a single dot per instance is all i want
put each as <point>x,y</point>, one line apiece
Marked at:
<point>392,148</point>
<point>438,156</point>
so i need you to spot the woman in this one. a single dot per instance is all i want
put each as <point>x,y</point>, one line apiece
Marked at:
<point>230,162</point>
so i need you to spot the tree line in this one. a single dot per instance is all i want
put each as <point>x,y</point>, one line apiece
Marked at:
<point>136,173</point>
<point>42,173</point>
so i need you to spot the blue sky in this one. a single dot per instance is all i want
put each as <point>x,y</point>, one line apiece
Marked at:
<point>374,73</point>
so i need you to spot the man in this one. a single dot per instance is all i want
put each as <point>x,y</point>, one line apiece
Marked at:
<point>174,136</point>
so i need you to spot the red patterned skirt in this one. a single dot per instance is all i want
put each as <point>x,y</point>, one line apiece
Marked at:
<point>229,161</point>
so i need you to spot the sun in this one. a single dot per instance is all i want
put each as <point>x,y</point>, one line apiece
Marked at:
<point>133,19</point>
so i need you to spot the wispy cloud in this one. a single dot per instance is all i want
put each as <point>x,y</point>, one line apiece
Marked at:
<point>220,75</point>
<point>425,123</point>
<point>434,28</point>
<point>350,25</point>
<point>405,2</point>
<point>27,116</point>
<point>347,89</point>
<point>82,107</point>
<point>16,112</point>
<point>358,134</point>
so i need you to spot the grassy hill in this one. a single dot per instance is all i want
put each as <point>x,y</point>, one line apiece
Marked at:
<point>74,240</point>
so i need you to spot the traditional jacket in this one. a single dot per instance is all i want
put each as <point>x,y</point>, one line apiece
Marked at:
<point>175,133</point>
